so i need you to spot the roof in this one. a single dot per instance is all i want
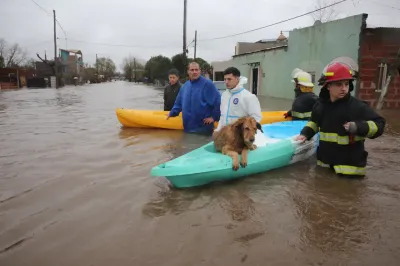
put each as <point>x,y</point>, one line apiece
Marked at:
<point>282,37</point>
<point>263,50</point>
<point>72,51</point>
<point>266,40</point>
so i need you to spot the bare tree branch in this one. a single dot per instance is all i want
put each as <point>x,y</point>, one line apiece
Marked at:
<point>3,45</point>
<point>45,61</point>
<point>13,56</point>
<point>326,14</point>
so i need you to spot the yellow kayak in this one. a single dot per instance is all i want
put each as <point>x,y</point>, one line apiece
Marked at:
<point>157,119</point>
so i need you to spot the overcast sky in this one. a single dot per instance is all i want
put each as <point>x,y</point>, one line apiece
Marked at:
<point>143,28</point>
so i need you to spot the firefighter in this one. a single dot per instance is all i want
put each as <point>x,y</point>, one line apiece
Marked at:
<point>343,122</point>
<point>304,96</point>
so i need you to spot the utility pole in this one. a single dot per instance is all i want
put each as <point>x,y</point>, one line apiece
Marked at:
<point>55,49</point>
<point>184,36</point>
<point>134,68</point>
<point>97,67</point>
<point>195,44</point>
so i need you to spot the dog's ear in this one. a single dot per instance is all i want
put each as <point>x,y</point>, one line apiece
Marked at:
<point>239,123</point>
<point>259,127</point>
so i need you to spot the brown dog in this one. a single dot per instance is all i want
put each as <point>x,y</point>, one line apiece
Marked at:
<point>237,138</point>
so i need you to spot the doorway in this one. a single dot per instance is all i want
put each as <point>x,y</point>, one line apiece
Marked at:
<point>254,84</point>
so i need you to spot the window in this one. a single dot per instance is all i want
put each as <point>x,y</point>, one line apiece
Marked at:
<point>312,76</point>
<point>219,76</point>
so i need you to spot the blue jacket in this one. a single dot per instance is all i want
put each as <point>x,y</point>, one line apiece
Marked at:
<point>197,100</point>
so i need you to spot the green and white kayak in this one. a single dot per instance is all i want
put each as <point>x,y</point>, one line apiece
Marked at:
<point>276,148</point>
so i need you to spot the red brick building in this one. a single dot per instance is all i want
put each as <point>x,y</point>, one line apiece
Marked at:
<point>379,49</point>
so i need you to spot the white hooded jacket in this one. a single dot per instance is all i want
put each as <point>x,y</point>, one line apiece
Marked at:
<point>238,102</point>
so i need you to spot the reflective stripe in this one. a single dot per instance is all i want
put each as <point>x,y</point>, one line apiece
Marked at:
<point>349,170</point>
<point>301,115</point>
<point>303,79</point>
<point>331,74</point>
<point>372,128</point>
<point>312,125</point>
<point>320,163</point>
<point>341,140</point>
<point>345,169</point>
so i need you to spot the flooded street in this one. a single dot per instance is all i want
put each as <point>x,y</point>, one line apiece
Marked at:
<point>75,189</point>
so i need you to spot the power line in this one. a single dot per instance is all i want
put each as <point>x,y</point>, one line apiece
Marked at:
<point>50,15</point>
<point>124,45</point>
<point>273,24</point>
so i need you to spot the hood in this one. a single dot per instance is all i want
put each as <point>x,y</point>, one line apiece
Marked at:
<point>242,81</point>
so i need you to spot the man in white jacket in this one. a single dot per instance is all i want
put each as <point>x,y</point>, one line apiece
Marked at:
<point>236,101</point>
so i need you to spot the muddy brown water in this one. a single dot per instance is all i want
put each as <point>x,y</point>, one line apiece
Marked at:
<point>75,189</point>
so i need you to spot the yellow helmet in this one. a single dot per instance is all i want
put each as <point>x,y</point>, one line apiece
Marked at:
<point>303,78</point>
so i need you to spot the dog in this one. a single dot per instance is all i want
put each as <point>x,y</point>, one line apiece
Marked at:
<point>237,138</point>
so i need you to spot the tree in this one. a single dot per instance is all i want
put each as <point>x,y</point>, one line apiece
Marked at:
<point>30,64</point>
<point>105,66</point>
<point>157,67</point>
<point>132,68</point>
<point>326,14</point>
<point>12,56</point>
<point>1,61</point>
<point>89,73</point>
<point>204,65</point>
<point>178,62</point>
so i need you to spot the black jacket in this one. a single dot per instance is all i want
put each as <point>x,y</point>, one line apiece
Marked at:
<point>302,105</point>
<point>338,149</point>
<point>170,94</point>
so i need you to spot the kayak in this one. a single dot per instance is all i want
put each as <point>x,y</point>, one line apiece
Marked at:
<point>276,148</point>
<point>157,119</point>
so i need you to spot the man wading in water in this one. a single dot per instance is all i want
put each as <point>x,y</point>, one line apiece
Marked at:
<point>171,90</point>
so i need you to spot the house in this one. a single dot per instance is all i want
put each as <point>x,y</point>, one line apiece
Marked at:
<point>73,66</point>
<point>248,47</point>
<point>15,78</point>
<point>312,48</point>
<point>245,48</point>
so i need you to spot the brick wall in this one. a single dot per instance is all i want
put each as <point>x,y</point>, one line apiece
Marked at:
<point>378,46</point>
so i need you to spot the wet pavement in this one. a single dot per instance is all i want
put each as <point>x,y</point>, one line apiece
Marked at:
<point>75,189</point>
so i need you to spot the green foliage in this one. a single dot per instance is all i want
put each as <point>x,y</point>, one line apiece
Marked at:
<point>132,69</point>
<point>157,67</point>
<point>178,63</point>
<point>105,66</point>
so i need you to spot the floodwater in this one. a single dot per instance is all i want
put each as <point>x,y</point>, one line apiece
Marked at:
<point>75,189</point>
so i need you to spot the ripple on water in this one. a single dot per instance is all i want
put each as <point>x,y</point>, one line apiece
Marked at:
<point>66,163</point>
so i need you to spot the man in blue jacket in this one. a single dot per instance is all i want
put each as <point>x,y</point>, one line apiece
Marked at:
<point>199,101</point>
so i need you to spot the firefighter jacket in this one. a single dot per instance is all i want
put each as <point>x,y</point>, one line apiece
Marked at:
<point>302,105</point>
<point>338,149</point>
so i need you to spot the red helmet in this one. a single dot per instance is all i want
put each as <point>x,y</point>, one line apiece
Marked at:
<point>338,71</point>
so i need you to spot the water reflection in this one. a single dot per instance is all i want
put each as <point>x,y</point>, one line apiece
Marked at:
<point>176,202</point>
<point>332,212</point>
<point>3,107</point>
<point>237,203</point>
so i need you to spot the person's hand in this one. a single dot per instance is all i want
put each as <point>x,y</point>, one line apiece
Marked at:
<point>167,115</point>
<point>286,115</point>
<point>208,120</point>
<point>350,127</point>
<point>300,138</point>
